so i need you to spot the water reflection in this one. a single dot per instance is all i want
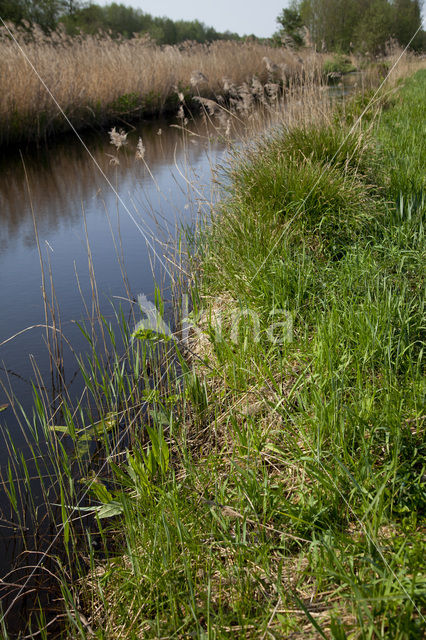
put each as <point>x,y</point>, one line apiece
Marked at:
<point>73,204</point>
<point>63,176</point>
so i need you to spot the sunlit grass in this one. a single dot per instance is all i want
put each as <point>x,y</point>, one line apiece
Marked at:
<point>264,481</point>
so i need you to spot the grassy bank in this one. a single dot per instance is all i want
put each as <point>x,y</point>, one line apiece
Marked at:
<point>286,497</point>
<point>266,479</point>
<point>98,80</point>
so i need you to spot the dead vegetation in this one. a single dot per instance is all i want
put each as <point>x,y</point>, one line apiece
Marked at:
<point>94,79</point>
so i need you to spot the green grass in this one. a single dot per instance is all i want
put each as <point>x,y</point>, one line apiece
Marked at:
<point>294,502</point>
<point>404,148</point>
<point>279,487</point>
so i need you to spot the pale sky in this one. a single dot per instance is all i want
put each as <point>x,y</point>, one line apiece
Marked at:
<point>239,16</point>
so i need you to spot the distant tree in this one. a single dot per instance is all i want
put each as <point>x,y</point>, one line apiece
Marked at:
<point>115,18</point>
<point>375,27</point>
<point>170,31</point>
<point>89,19</point>
<point>121,19</point>
<point>13,10</point>
<point>331,23</point>
<point>195,30</point>
<point>43,12</point>
<point>341,25</point>
<point>407,18</point>
<point>291,26</point>
<point>71,6</point>
<point>228,35</point>
<point>46,13</point>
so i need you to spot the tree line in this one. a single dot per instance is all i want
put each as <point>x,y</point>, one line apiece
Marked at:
<point>352,25</point>
<point>116,19</point>
<point>332,25</point>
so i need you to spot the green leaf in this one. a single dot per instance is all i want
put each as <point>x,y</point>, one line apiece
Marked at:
<point>110,510</point>
<point>110,420</point>
<point>101,492</point>
<point>59,428</point>
<point>83,444</point>
<point>3,407</point>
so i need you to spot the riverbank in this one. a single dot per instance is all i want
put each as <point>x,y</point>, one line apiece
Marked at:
<point>99,80</point>
<point>266,477</point>
<point>286,497</point>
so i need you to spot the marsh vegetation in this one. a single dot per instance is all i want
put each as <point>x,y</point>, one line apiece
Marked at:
<point>97,79</point>
<point>263,478</point>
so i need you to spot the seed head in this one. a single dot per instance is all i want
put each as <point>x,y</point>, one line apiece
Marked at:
<point>140,150</point>
<point>118,138</point>
<point>198,77</point>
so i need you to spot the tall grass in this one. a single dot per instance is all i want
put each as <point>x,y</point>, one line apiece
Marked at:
<point>95,79</point>
<point>294,502</point>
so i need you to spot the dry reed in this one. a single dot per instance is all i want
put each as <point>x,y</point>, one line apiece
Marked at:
<point>96,79</point>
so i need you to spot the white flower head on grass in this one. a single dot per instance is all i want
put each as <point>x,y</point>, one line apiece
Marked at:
<point>118,138</point>
<point>140,150</point>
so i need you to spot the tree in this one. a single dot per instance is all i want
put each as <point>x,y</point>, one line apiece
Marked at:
<point>291,26</point>
<point>375,27</point>
<point>331,23</point>
<point>341,25</point>
<point>71,6</point>
<point>89,19</point>
<point>116,18</point>
<point>46,13</point>
<point>122,19</point>
<point>13,10</point>
<point>407,20</point>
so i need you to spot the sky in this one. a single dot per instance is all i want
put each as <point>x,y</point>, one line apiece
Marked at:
<point>240,16</point>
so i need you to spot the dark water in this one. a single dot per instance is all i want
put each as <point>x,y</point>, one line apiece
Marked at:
<point>63,182</point>
<point>62,189</point>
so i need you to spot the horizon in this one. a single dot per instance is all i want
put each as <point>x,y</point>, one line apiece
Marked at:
<point>244,17</point>
<point>223,16</point>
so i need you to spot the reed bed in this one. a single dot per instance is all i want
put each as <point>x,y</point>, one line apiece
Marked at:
<point>95,79</point>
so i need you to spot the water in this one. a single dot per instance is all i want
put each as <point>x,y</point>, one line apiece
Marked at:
<point>61,189</point>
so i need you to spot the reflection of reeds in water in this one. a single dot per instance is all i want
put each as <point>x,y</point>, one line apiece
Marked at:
<point>93,78</point>
<point>64,176</point>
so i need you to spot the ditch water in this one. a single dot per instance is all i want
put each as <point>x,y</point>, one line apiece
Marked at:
<point>62,189</point>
